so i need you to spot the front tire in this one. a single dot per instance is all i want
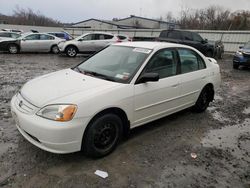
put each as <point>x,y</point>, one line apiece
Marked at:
<point>71,51</point>
<point>236,66</point>
<point>102,136</point>
<point>13,49</point>
<point>203,101</point>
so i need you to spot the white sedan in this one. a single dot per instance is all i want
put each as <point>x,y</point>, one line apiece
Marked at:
<point>91,106</point>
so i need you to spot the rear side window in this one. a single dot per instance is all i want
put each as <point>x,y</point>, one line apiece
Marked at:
<point>171,34</point>
<point>187,35</point>
<point>190,61</point>
<point>174,35</point>
<point>163,63</point>
<point>46,37</point>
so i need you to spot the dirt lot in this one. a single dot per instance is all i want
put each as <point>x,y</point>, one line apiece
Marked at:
<point>155,155</point>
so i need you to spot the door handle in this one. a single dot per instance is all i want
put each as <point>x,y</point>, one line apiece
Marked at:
<point>203,77</point>
<point>175,85</point>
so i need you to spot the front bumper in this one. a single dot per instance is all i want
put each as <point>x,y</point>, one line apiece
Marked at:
<point>51,136</point>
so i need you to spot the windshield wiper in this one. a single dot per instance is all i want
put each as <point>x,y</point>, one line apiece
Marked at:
<point>78,70</point>
<point>98,75</point>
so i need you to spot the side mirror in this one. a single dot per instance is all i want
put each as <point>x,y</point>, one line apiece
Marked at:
<point>205,41</point>
<point>23,39</point>
<point>148,77</point>
<point>240,47</point>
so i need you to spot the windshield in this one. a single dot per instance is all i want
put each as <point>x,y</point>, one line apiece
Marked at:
<point>247,45</point>
<point>115,63</point>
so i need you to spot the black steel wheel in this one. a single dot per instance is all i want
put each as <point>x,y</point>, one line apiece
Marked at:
<point>203,100</point>
<point>102,135</point>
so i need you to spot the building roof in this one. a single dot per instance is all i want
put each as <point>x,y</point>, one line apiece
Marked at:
<point>150,19</point>
<point>108,22</point>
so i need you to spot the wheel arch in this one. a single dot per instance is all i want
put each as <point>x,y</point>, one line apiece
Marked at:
<point>113,110</point>
<point>73,45</point>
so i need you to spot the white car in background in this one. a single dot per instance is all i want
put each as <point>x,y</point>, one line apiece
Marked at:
<point>88,43</point>
<point>31,42</point>
<point>91,106</point>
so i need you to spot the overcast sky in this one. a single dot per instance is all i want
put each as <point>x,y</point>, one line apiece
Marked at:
<point>78,10</point>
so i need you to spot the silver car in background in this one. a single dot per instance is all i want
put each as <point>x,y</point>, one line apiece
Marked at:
<point>32,42</point>
<point>88,43</point>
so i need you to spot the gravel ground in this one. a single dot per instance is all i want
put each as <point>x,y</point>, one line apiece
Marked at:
<point>155,155</point>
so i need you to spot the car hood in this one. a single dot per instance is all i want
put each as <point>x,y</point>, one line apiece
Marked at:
<point>245,50</point>
<point>4,39</point>
<point>49,88</point>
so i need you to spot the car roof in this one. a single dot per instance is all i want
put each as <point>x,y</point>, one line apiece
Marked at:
<point>151,45</point>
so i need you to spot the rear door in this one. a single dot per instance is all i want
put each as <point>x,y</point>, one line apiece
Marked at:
<point>188,39</point>
<point>153,100</point>
<point>101,41</point>
<point>193,75</point>
<point>45,42</point>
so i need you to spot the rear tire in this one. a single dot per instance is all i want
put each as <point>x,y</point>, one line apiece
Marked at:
<point>204,99</point>
<point>71,51</point>
<point>102,136</point>
<point>13,49</point>
<point>55,49</point>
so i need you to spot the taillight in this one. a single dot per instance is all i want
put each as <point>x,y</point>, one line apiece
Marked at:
<point>118,40</point>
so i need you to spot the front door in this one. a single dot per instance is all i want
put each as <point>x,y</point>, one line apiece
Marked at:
<point>153,100</point>
<point>30,43</point>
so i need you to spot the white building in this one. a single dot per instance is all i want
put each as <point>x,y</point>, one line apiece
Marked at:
<point>134,22</point>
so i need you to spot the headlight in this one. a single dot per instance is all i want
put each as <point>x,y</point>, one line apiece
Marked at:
<point>238,53</point>
<point>64,112</point>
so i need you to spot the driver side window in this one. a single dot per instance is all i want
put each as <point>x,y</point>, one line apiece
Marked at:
<point>88,37</point>
<point>163,63</point>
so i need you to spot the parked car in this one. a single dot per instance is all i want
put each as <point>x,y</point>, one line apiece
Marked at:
<point>7,34</point>
<point>89,107</point>
<point>242,56</point>
<point>124,38</point>
<point>13,30</point>
<point>31,42</point>
<point>88,43</point>
<point>62,35</point>
<point>208,48</point>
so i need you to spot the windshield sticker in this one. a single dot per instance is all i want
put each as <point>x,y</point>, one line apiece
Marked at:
<point>142,50</point>
<point>120,76</point>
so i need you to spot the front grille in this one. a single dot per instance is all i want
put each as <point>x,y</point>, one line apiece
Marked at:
<point>23,105</point>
